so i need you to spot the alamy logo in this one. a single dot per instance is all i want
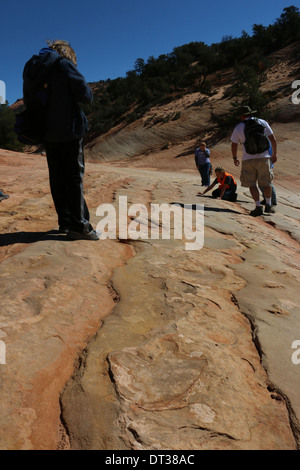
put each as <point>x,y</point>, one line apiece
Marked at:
<point>296,354</point>
<point>296,85</point>
<point>2,352</point>
<point>2,92</point>
<point>165,221</point>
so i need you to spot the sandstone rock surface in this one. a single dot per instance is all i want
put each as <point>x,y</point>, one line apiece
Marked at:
<point>143,344</point>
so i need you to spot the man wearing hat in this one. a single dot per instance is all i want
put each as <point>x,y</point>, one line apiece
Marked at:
<point>255,135</point>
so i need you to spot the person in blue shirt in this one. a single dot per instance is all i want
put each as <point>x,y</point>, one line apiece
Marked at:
<point>202,160</point>
<point>65,126</point>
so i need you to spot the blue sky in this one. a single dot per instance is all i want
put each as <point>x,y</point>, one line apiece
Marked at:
<point>109,35</point>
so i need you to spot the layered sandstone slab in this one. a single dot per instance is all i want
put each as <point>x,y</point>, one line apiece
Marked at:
<point>145,345</point>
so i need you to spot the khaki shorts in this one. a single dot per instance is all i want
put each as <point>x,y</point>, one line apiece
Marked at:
<point>256,170</point>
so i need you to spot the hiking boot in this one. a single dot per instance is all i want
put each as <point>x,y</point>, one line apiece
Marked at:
<point>257,211</point>
<point>263,202</point>
<point>63,229</point>
<point>92,235</point>
<point>3,196</point>
<point>269,209</point>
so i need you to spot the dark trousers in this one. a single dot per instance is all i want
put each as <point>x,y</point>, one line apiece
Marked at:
<point>229,195</point>
<point>66,171</point>
<point>204,171</point>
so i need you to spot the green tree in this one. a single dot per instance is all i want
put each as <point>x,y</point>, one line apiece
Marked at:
<point>186,69</point>
<point>287,27</point>
<point>139,66</point>
<point>8,138</point>
<point>247,90</point>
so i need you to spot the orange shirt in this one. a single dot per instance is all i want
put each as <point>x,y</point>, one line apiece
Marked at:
<point>230,183</point>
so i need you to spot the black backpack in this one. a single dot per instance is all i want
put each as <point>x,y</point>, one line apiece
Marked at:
<point>30,123</point>
<point>256,140</point>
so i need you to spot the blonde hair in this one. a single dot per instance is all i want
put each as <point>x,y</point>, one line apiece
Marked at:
<point>64,49</point>
<point>219,169</point>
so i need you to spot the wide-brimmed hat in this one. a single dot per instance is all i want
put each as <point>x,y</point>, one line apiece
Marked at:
<point>247,111</point>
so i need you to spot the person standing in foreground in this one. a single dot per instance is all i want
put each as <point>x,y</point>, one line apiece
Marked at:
<point>65,126</point>
<point>202,155</point>
<point>256,136</point>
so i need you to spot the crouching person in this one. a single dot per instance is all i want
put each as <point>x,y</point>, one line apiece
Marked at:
<point>227,186</point>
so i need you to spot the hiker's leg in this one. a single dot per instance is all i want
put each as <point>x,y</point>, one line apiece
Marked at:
<point>259,208</point>
<point>265,178</point>
<point>204,171</point>
<point>254,193</point>
<point>207,174</point>
<point>216,193</point>
<point>229,195</point>
<point>202,174</point>
<point>249,178</point>
<point>57,186</point>
<point>73,175</point>
<point>268,192</point>
<point>262,191</point>
<point>274,197</point>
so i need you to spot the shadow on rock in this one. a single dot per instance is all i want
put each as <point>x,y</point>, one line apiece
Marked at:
<point>195,207</point>
<point>30,237</point>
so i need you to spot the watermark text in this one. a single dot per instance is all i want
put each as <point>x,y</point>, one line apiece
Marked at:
<point>2,352</point>
<point>295,95</point>
<point>2,92</point>
<point>296,354</point>
<point>161,221</point>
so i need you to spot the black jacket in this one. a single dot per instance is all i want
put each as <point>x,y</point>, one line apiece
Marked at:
<point>67,88</point>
